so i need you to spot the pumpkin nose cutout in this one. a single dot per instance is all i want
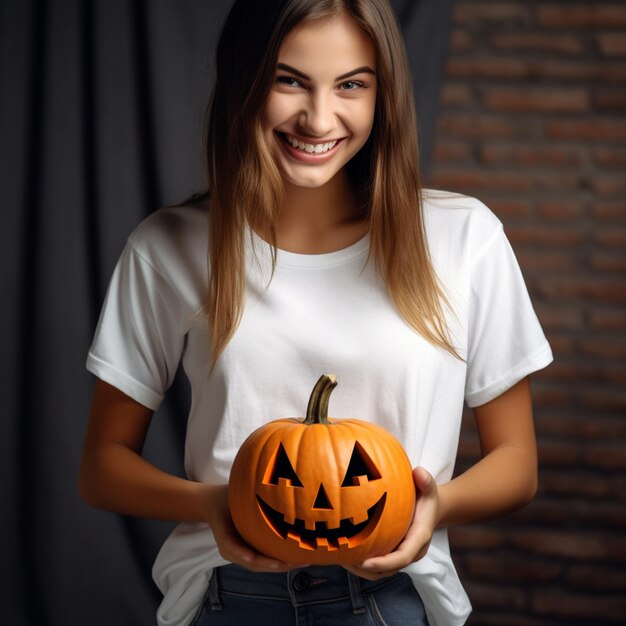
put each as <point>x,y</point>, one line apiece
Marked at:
<point>321,499</point>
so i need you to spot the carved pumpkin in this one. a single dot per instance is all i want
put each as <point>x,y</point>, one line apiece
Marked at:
<point>321,491</point>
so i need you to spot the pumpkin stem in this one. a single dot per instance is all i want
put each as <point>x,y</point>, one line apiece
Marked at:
<point>317,411</point>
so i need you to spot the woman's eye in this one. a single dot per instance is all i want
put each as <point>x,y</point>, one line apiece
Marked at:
<point>352,85</point>
<point>290,81</point>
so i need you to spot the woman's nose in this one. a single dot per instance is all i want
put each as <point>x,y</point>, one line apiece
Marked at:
<point>318,116</point>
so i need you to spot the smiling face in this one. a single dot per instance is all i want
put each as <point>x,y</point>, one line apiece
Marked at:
<point>320,110</point>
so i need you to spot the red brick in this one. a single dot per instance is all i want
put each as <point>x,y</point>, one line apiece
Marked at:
<point>475,538</point>
<point>579,71</point>
<point>609,101</point>
<point>581,288</point>
<point>602,373</point>
<point>491,67</point>
<point>609,210</point>
<point>567,544</point>
<point>620,486</point>
<point>479,126</point>
<point>563,512</point>
<point>601,515</point>
<point>555,210</point>
<point>611,44</point>
<point>581,427</point>
<point>579,605</point>
<point>507,597</point>
<point>608,319</point>
<point>546,43</point>
<point>555,453</point>
<point>603,400</point>
<point>611,156</point>
<point>534,234</point>
<point>562,346</point>
<point>467,179</point>
<point>573,483</point>
<point>609,185</point>
<point>610,237</point>
<point>603,262</point>
<point>495,568</point>
<point>553,316</point>
<point>537,99</point>
<point>602,578</point>
<point>533,261</point>
<point>591,129</point>
<point>524,154</point>
<point>451,152</point>
<point>471,179</point>
<point>456,95</point>
<point>507,208</point>
<point>612,348</point>
<point>608,456</point>
<point>461,40</point>
<point>508,13</point>
<point>581,15</point>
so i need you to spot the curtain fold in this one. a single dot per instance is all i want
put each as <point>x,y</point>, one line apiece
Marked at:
<point>101,114</point>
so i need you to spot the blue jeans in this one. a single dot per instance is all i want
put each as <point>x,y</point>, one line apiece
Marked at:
<point>311,596</point>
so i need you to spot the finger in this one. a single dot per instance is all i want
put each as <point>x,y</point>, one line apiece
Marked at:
<point>254,561</point>
<point>242,554</point>
<point>413,547</point>
<point>232,547</point>
<point>367,573</point>
<point>423,480</point>
<point>387,564</point>
<point>262,563</point>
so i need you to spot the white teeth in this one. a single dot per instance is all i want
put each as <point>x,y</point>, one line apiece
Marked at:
<point>311,148</point>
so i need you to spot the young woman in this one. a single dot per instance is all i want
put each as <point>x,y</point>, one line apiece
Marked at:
<point>324,255</point>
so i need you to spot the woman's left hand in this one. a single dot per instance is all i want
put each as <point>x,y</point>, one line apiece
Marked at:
<point>417,539</point>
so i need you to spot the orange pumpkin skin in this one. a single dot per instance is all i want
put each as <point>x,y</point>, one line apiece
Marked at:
<point>327,492</point>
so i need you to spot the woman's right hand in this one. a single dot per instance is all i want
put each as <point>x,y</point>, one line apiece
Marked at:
<point>229,543</point>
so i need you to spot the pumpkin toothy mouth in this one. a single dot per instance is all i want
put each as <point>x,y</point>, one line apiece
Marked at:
<point>347,534</point>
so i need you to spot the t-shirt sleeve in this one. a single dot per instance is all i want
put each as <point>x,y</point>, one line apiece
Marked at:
<point>505,342</point>
<point>139,339</point>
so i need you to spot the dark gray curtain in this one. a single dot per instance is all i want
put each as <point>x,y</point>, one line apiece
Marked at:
<point>101,110</point>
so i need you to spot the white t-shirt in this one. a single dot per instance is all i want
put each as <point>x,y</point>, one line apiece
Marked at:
<point>325,313</point>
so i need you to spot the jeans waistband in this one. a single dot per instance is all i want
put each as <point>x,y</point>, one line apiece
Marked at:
<point>313,584</point>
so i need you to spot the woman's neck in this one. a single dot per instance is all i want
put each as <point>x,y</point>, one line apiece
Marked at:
<point>319,220</point>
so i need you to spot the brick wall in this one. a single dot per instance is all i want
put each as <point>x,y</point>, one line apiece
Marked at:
<point>532,122</point>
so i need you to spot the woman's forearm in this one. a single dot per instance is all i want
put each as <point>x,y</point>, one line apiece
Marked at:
<point>114,475</point>
<point>500,483</point>
<point>505,479</point>
<point>118,479</point>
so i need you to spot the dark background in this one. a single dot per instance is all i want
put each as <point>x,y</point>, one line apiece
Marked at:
<point>101,110</point>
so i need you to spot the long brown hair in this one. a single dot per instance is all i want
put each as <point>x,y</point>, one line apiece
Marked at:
<point>245,184</point>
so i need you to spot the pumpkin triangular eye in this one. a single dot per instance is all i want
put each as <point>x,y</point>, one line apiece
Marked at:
<point>360,465</point>
<point>322,500</point>
<point>280,467</point>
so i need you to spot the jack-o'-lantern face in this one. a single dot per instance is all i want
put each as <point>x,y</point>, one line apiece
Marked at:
<point>327,513</point>
<point>322,492</point>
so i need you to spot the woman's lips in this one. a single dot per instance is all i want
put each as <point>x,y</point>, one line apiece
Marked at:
<point>309,157</point>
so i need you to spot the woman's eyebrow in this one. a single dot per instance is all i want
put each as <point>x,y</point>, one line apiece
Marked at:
<point>365,69</point>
